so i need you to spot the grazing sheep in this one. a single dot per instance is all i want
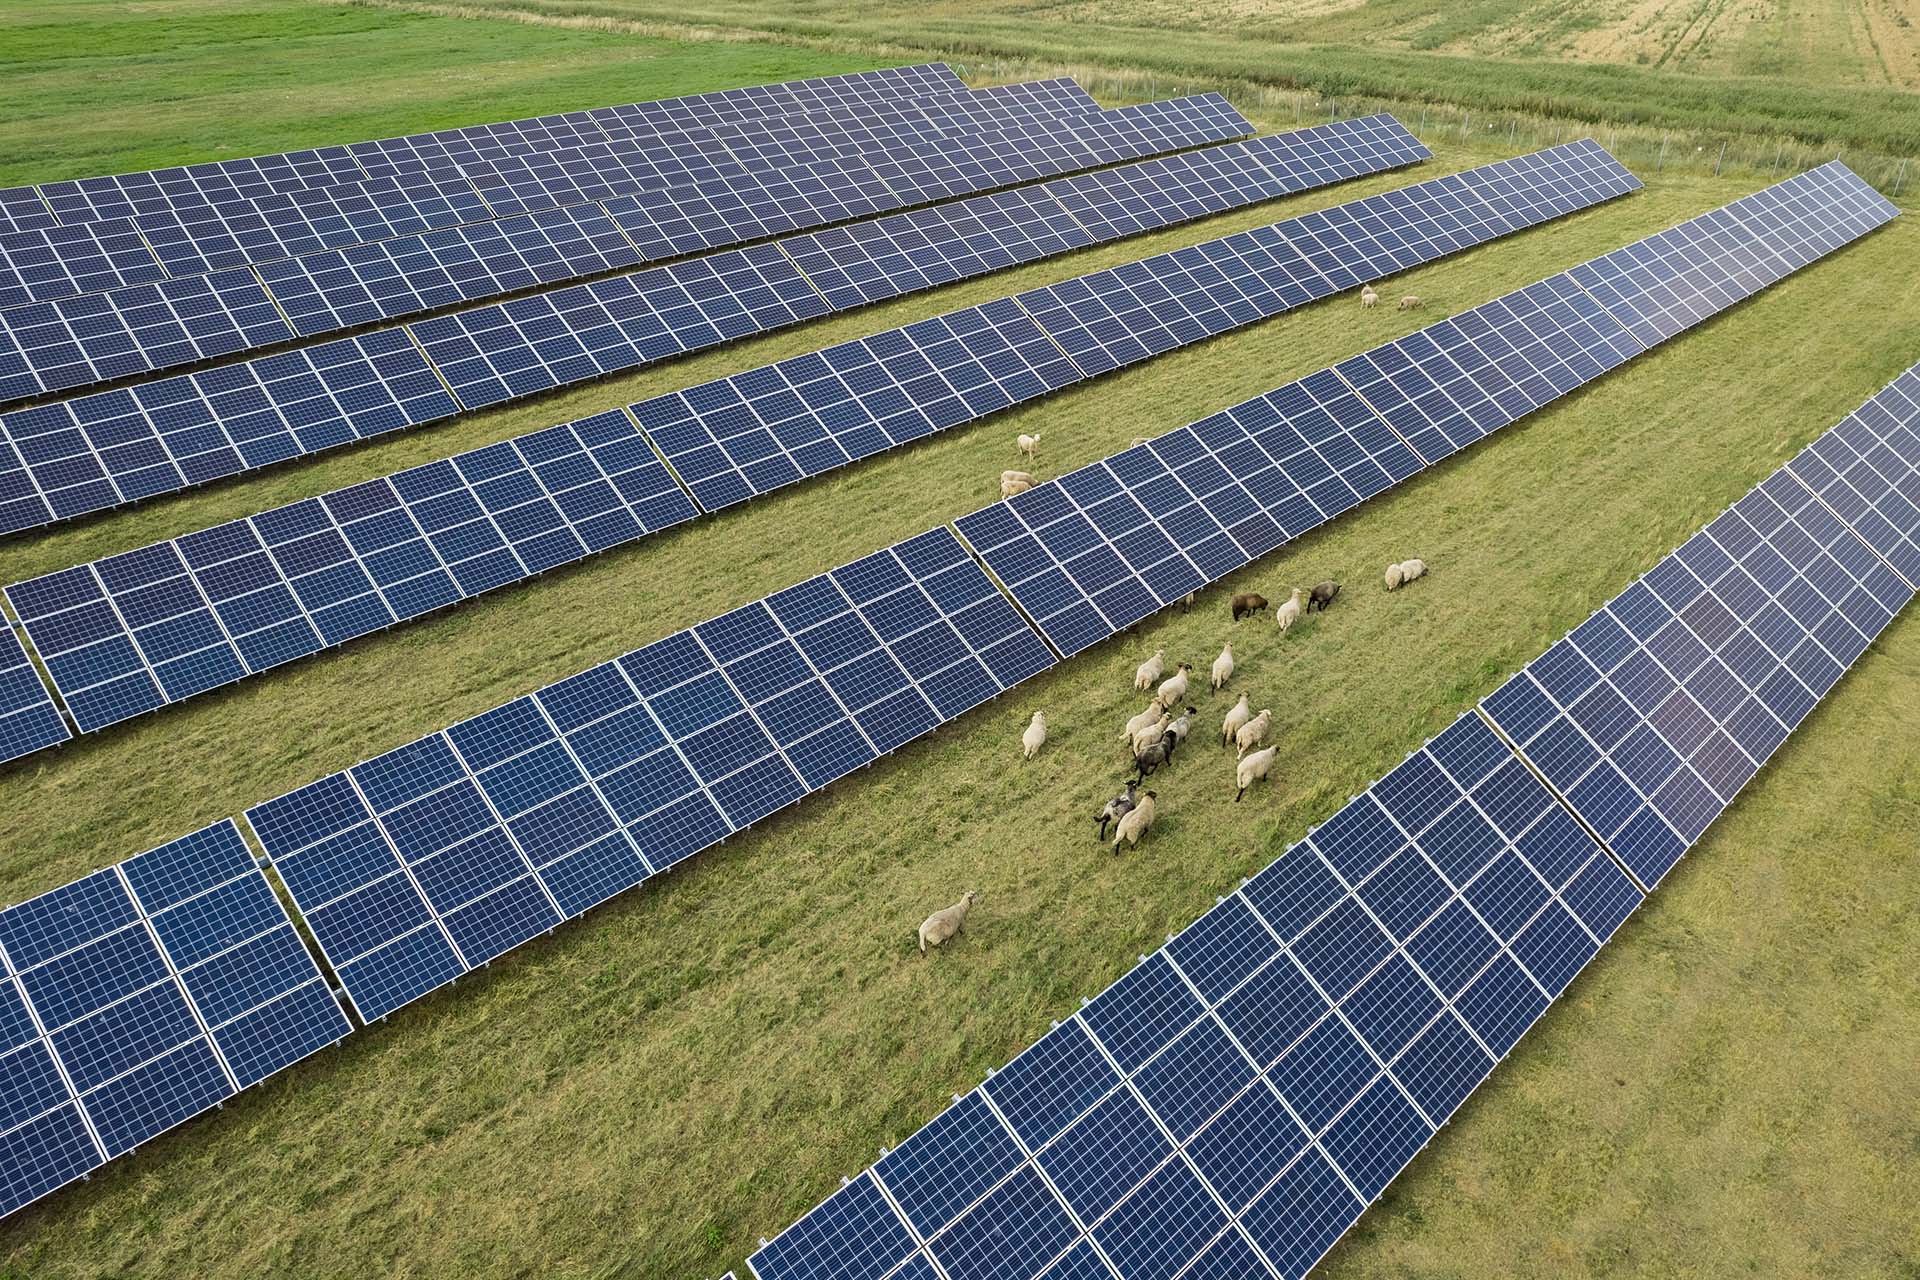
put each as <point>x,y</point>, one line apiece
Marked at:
<point>1028,443</point>
<point>1411,301</point>
<point>1155,755</point>
<point>1148,672</point>
<point>1222,668</point>
<point>1187,601</point>
<point>1117,808</point>
<point>1253,732</point>
<point>1010,487</point>
<point>1241,713</point>
<point>1322,596</point>
<point>941,925</point>
<point>1174,687</point>
<point>1140,440</point>
<point>1368,298</point>
<point>1147,736</point>
<point>1247,603</point>
<point>1145,718</point>
<point>1134,824</point>
<point>1398,575</point>
<point>1036,735</point>
<point>1180,728</point>
<point>1015,475</point>
<point>1289,613</point>
<point>1252,768</point>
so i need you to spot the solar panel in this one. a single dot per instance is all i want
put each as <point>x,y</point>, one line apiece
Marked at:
<point>22,209</point>
<point>142,995</point>
<point>58,262</point>
<point>28,718</point>
<point>423,863</point>
<point>47,347</point>
<point>1095,551</point>
<point>1651,715</point>
<point>134,631</point>
<point>1239,1098</point>
<point>1864,470</point>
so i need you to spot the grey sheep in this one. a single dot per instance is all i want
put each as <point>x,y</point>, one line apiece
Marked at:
<point>1118,807</point>
<point>1321,597</point>
<point>1156,755</point>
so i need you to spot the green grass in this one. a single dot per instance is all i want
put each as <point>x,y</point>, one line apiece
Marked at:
<point>1726,1091</point>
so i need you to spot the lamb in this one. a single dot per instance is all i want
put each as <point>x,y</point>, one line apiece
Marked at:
<point>1222,668</point>
<point>1028,443</point>
<point>1289,613</point>
<point>1247,603</point>
<point>1411,301</point>
<point>1322,595</point>
<point>1016,475</point>
<point>1134,825</point>
<point>1253,768</point>
<point>1155,755</point>
<point>1253,732</point>
<point>1368,298</point>
<point>1118,807</point>
<point>1036,735</point>
<point>1241,713</point>
<point>1150,734</point>
<point>941,925</point>
<point>1398,575</point>
<point>1174,687</point>
<point>1010,487</point>
<point>1145,718</point>
<point>1148,672</point>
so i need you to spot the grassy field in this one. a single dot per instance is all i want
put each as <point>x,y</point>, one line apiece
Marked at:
<point>1728,1089</point>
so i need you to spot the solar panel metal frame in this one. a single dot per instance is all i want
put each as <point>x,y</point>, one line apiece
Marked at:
<point>29,720</point>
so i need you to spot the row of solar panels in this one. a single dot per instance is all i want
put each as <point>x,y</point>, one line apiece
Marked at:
<point>250,178</point>
<point>144,628</point>
<point>1232,1105</point>
<point>86,454</point>
<point>66,343</point>
<point>421,864</point>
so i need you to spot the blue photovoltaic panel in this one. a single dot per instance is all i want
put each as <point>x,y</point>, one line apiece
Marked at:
<point>1652,714</point>
<point>108,988</point>
<point>421,864</point>
<point>1867,469</point>
<point>134,631</point>
<point>1248,1090</point>
<point>59,262</point>
<point>28,718</point>
<point>191,186</point>
<point>740,436</point>
<point>137,328</point>
<point>22,209</point>
<point>75,456</point>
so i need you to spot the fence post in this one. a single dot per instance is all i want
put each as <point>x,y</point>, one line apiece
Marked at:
<point>1778,147</point>
<point>1511,125</point>
<point>1466,122</point>
<point>1662,161</point>
<point>1719,159</point>
<point>1423,118</point>
<point>1900,177</point>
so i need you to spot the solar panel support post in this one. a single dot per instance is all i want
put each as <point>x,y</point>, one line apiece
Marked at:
<point>1900,176</point>
<point>1661,162</point>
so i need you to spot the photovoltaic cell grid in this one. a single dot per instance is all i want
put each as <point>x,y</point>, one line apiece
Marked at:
<point>1238,1099</point>
<point>28,718</point>
<point>1651,715</point>
<point>426,862</point>
<point>57,262</point>
<point>78,341</point>
<point>1865,470</point>
<point>141,996</point>
<point>1084,565</point>
<point>132,632</point>
<point>737,437</point>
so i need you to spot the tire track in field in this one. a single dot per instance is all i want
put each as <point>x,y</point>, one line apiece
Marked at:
<point>1711,11</point>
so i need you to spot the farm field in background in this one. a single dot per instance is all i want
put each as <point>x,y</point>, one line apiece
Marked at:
<point>1727,1090</point>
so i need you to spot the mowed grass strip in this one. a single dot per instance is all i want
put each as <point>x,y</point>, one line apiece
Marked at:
<point>698,1062</point>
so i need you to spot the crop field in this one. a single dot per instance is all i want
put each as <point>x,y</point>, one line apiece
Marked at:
<point>1727,1090</point>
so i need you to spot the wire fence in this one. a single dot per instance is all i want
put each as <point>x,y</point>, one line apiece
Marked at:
<point>1645,149</point>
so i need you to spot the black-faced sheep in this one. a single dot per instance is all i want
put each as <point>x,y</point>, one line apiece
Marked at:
<point>1141,721</point>
<point>943,924</point>
<point>1135,824</point>
<point>1155,755</point>
<point>1174,687</point>
<point>1322,595</point>
<point>1181,727</point>
<point>1117,808</point>
<point>1247,603</point>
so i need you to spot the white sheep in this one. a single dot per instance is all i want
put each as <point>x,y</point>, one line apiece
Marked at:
<point>1149,671</point>
<point>1222,668</point>
<point>1036,735</point>
<point>1016,475</point>
<point>1241,713</point>
<point>1253,768</point>
<point>1150,734</point>
<point>1368,298</point>
<point>1411,301</point>
<point>1145,718</point>
<point>943,924</point>
<point>1028,443</point>
<point>1253,732</point>
<point>1289,613</point>
<point>1135,824</point>
<point>1398,575</point>
<point>1174,687</point>
<point>1010,487</point>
